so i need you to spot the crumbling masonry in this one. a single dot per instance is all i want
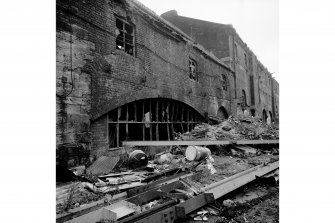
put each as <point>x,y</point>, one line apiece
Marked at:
<point>124,73</point>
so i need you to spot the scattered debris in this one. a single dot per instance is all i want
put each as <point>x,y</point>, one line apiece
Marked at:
<point>234,128</point>
<point>103,165</point>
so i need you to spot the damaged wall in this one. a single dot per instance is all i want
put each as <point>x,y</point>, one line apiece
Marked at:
<point>227,45</point>
<point>106,78</point>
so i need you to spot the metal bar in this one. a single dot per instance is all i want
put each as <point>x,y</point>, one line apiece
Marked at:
<point>135,111</point>
<point>143,125</point>
<point>150,119</point>
<point>157,131</point>
<point>168,119</point>
<point>118,127</point>
<point>172,118</point>
<point>127,118</point>
<point>188,120</point>
<point>182,119</point>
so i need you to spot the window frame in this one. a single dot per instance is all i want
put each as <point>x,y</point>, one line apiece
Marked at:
<point>126,42</point>
<point>190,61</point>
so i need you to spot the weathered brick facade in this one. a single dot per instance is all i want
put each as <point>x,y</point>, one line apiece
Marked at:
<point>250,75</point>
<point>93,77</point>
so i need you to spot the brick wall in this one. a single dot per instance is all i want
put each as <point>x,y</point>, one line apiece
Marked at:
<point>106,78</point>
<point>221,40</point>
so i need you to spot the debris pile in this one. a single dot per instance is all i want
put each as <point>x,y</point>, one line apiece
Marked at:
<point>135,181</point>
<point>234,128</point>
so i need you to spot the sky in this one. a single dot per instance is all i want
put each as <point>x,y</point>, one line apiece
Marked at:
<point>256,21</point>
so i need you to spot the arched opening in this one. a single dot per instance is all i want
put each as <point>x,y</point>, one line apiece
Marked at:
<point>222,113</point>
<point>265,116</point>
<point>150,119</point>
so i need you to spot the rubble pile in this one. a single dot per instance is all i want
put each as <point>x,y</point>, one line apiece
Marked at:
<point>234,128</point>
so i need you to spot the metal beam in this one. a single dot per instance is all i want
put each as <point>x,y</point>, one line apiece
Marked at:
<point>197,142</point>
<point>225,186</point>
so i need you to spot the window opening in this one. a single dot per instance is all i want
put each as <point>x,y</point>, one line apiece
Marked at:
<point>245,60</point>
<point>125,36</point>
<point>150,119</point>
<point>224,82</point>
<point>193,69</point>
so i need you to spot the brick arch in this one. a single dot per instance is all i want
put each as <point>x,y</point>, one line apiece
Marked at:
<point>128,97</point>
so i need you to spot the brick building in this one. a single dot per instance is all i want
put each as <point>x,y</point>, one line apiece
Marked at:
<point>254,92</point>
<point>124,73</point>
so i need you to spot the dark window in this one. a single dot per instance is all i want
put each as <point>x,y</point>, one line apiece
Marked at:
<point>244,98</point>
<point>224,82</point>
<point>245,60</point>
<point>125,36</point>
<point>235,47</point>
<point>193,69</point>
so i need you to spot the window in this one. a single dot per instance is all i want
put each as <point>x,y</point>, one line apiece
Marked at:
<point>224,82</point>
<point>125,36</point>
<point>244,99</point>
<point>193,69</point>
<point>245,60</point>
<point>235,51</point>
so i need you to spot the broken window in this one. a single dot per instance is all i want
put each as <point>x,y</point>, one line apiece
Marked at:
<point>193,69</point>
<point>125,36</point>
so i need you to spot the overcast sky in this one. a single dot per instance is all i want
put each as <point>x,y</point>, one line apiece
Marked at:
<point>256,21</point>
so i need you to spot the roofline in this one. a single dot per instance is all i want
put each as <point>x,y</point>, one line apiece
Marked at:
<point>226,26</point>
<point>184,36</point>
